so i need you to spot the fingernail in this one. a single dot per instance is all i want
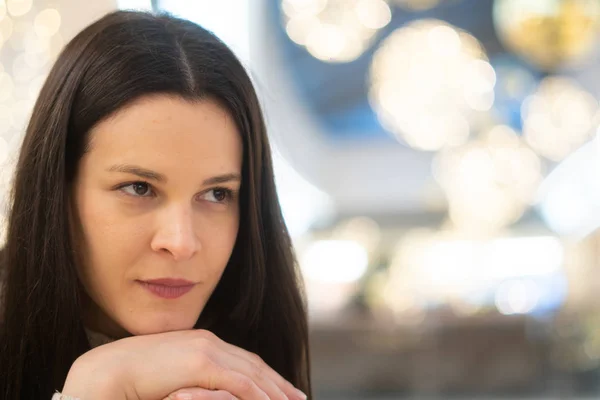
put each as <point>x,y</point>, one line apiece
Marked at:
<point>301,395</point>
<point>183,396</point>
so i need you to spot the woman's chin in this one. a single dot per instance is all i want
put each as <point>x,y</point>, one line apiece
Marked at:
<point>149,327</point>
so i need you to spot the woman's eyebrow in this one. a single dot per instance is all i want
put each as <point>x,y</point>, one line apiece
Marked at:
<point>158,177</point>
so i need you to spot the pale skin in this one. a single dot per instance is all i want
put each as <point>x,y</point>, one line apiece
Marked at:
<point>156,197</point>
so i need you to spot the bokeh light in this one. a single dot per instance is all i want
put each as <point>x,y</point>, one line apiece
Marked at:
<point>362,230</point>
<point>47,22</point>
<point>417,5</point>
<point>428,81</point>
<point>548,33</point>
<point>517,297</point>
<point>6,28</point>
<point>331,270</point>
<point>335,30</point>
<point>334,261</point>
<point>18,8</point>
<point>2,10</point>
<point>6,87</point>
<point>558,118</point>
<point>432,267</point>
<point>20,31</point>
<point>490,181</point>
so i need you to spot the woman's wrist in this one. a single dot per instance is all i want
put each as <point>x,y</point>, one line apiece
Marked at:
<point>87,380</point>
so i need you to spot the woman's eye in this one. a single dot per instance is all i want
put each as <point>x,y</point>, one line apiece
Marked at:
<point>218,195</point>
<point>138,189</point>
<point>144,189</point>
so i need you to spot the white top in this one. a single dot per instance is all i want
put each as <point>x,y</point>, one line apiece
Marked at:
<point>58,396</point>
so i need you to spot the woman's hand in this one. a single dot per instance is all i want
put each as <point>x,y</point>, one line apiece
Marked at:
<point>200,394</point>
<point>154,366</point>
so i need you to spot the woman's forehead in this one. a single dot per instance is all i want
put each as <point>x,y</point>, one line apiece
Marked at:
<point>168,131</point>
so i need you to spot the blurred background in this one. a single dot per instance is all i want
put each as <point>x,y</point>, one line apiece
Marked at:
<point>438,165</point>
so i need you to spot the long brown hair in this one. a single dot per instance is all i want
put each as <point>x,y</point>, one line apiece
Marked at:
<point>123,56</point>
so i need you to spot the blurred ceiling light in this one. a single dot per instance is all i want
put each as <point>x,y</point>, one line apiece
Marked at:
<point>20,32</point>
<point>6,28</point>
<point>57,43</point>
<point>3,150</point>
<point>403,302</point>
<point>417,5</point>
<point>548,33</point>
<point>335,30</point>
<point>569,198</point>
<point>361,230</point>
<point>373,14</point>
<point>531,256</point>
<point>22,71</point>
<point>374,290</point>
<point>47,22</point>
<point>18,8</point>
<point>6,87</point>
<point>414,257</point>
<point>37,59</point>
<point>326,299</point>
<point>14,145</point>
<point>294,8</point>
<point>35,43</point>
<point>334,261</point>
<point>490,181</point>
<point>4,121</point>
<point>35,86</point>
<point>39,50</point>
<point>428,81</point>
<point>517,297</point>
<point>21,111</point>
<point>558,117</point>
<point>399,290</point>
<point>437,265</point>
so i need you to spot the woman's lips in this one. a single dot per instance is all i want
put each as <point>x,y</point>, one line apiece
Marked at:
<point>167,288</point>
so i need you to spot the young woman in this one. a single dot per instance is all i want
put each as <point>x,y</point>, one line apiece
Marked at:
<point>146,255</point>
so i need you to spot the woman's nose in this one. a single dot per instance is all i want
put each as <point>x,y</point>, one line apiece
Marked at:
<point>175,234</point>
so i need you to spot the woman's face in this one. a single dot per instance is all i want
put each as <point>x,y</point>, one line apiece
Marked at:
<point>157,202</point>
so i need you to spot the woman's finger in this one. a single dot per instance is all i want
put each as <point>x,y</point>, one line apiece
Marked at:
<point>200,394</point>
<point>253,366</point>
<point>257,373</point>
<point>290,390</point>
<point>217,376</point>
